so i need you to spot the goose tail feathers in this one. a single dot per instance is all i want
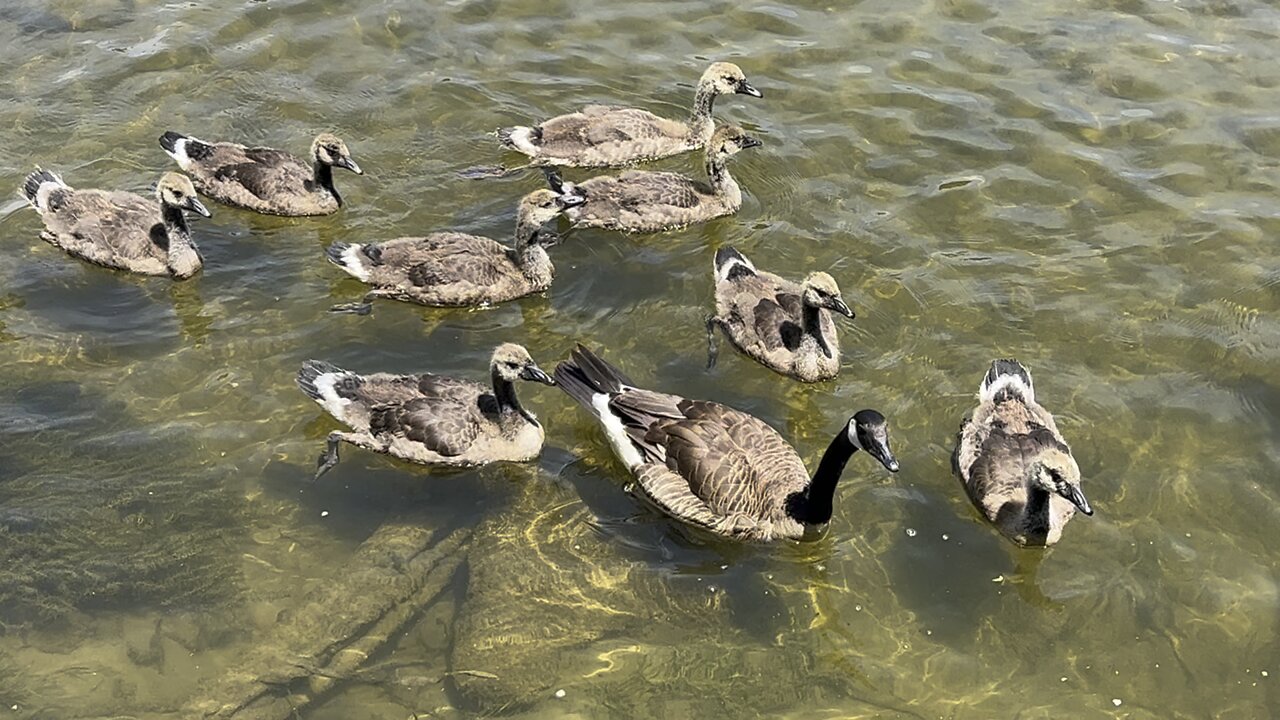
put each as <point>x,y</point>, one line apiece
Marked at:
<point>1007,378</point>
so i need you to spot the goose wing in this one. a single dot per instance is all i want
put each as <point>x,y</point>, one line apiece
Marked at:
<point>732,462</point>
<point>452,258</point>
<point>263,172</point>
<point>642,189</point>
<point>443,425</point>
<point>998,474</point>
<point>105,226</point>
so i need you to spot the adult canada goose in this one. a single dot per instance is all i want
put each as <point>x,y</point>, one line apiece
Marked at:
<point>607,136</point>
<point>783,325</point>
<point>715,467</point>
<point>1013,462</point>
<point>451,269</point>
<point>263,179</point>
<point>118,229</point>
<point>430,419</point>
<point>647,201</point>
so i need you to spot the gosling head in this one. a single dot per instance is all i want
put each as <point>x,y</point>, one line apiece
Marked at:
<point>1056,472</point>
<point>175,190</point>
<point>512,362</point>
<point>331,150</point>
<point>869,432</point>
<point>725,78</point>
<point>729,140</point>
<point>820,291</point>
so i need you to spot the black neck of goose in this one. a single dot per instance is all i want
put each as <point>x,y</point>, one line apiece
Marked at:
<point>525,229</point>
<point>1036,522</point>
<point>174,220</point>
<point>324,179</point>
<point>812,506</point>
<point>718,171</point>
<point>813,326</point>
<point>700,123</point>
<point>505,392</point>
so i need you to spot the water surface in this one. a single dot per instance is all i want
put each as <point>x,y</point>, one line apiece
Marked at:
<point>1090,187</point>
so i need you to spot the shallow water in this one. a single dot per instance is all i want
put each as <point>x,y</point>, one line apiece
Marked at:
<point>1091,187</point>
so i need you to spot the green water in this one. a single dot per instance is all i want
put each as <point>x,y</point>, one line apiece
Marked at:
<point>1088,186</point>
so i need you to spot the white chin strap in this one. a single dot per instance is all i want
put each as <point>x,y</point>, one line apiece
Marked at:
<point>852,431</point>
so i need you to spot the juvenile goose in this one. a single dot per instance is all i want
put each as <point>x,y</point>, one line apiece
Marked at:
<point>646,201</point>
<point>1013,462</point>
<point>606,136</point>
<point>263,179</point>
<point>450,269</point>
<point>715,467</point>
<point>430,419</point>
<point>784,326</point>
<point>118,229</point>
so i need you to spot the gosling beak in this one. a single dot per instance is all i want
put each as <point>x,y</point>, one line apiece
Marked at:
<point>750,142</point>
<point>745,88</point>
<point>348,163</point>
<point>194,205</point>
<point>838,305</point>
<point>878,448</point>
<point>1074,494</point>
<point>534,373</point>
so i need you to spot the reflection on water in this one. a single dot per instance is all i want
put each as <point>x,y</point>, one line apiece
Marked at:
<point>1089,187</point>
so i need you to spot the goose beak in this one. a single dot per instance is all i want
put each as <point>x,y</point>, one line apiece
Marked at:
<point>195,206</point>
<point>535,373</point>
<point>1077,498</point>
<point>745,88</point>
<point>838,305</point>
<point>750,142</point>
<point>348,163</point>
<point>878,448</point>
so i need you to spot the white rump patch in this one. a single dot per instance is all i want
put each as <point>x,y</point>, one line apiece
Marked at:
<point>351,262</point>
<point>522,139</point>
<point>46,187</point>
<point>1014,383</point>
<point>722,272</point>
<point>329,398</point>
<point>617,434</point>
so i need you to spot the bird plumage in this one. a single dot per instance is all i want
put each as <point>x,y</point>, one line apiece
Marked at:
<point>1014,463</point>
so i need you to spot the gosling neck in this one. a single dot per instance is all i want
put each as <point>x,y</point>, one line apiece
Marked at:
<point>182,257</point>
<point>812,319</point>
<point>323,178</point>
<point>813,505</point>
<point>701,126</point>
<point>722,183</point>
<point>505,393</point>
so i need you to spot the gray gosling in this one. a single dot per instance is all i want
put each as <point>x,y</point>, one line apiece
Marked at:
<point>784,326</point>
<point>646,201</point>
<point>1013,462</point>
<point>262,179</point>
<point>451,269</point>
<point>120,230</point>
<point>714,467</point>
<point>430,419</point>
<point>609,136</point>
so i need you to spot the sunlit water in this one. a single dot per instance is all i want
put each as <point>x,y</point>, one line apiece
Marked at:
<point>1088,186</point>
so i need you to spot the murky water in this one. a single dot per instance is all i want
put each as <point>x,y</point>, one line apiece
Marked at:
<point>1088,186</point>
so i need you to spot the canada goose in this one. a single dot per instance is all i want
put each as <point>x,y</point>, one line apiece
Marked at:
<point>783,325</point>
<point>263,179</point>
<point>1013,462</point>
<point>430,419</point>
<point>713,466</point>
<point>607,136</point>
<point>451,269</point>
<point>118,229</point>
<point>646,201</point>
